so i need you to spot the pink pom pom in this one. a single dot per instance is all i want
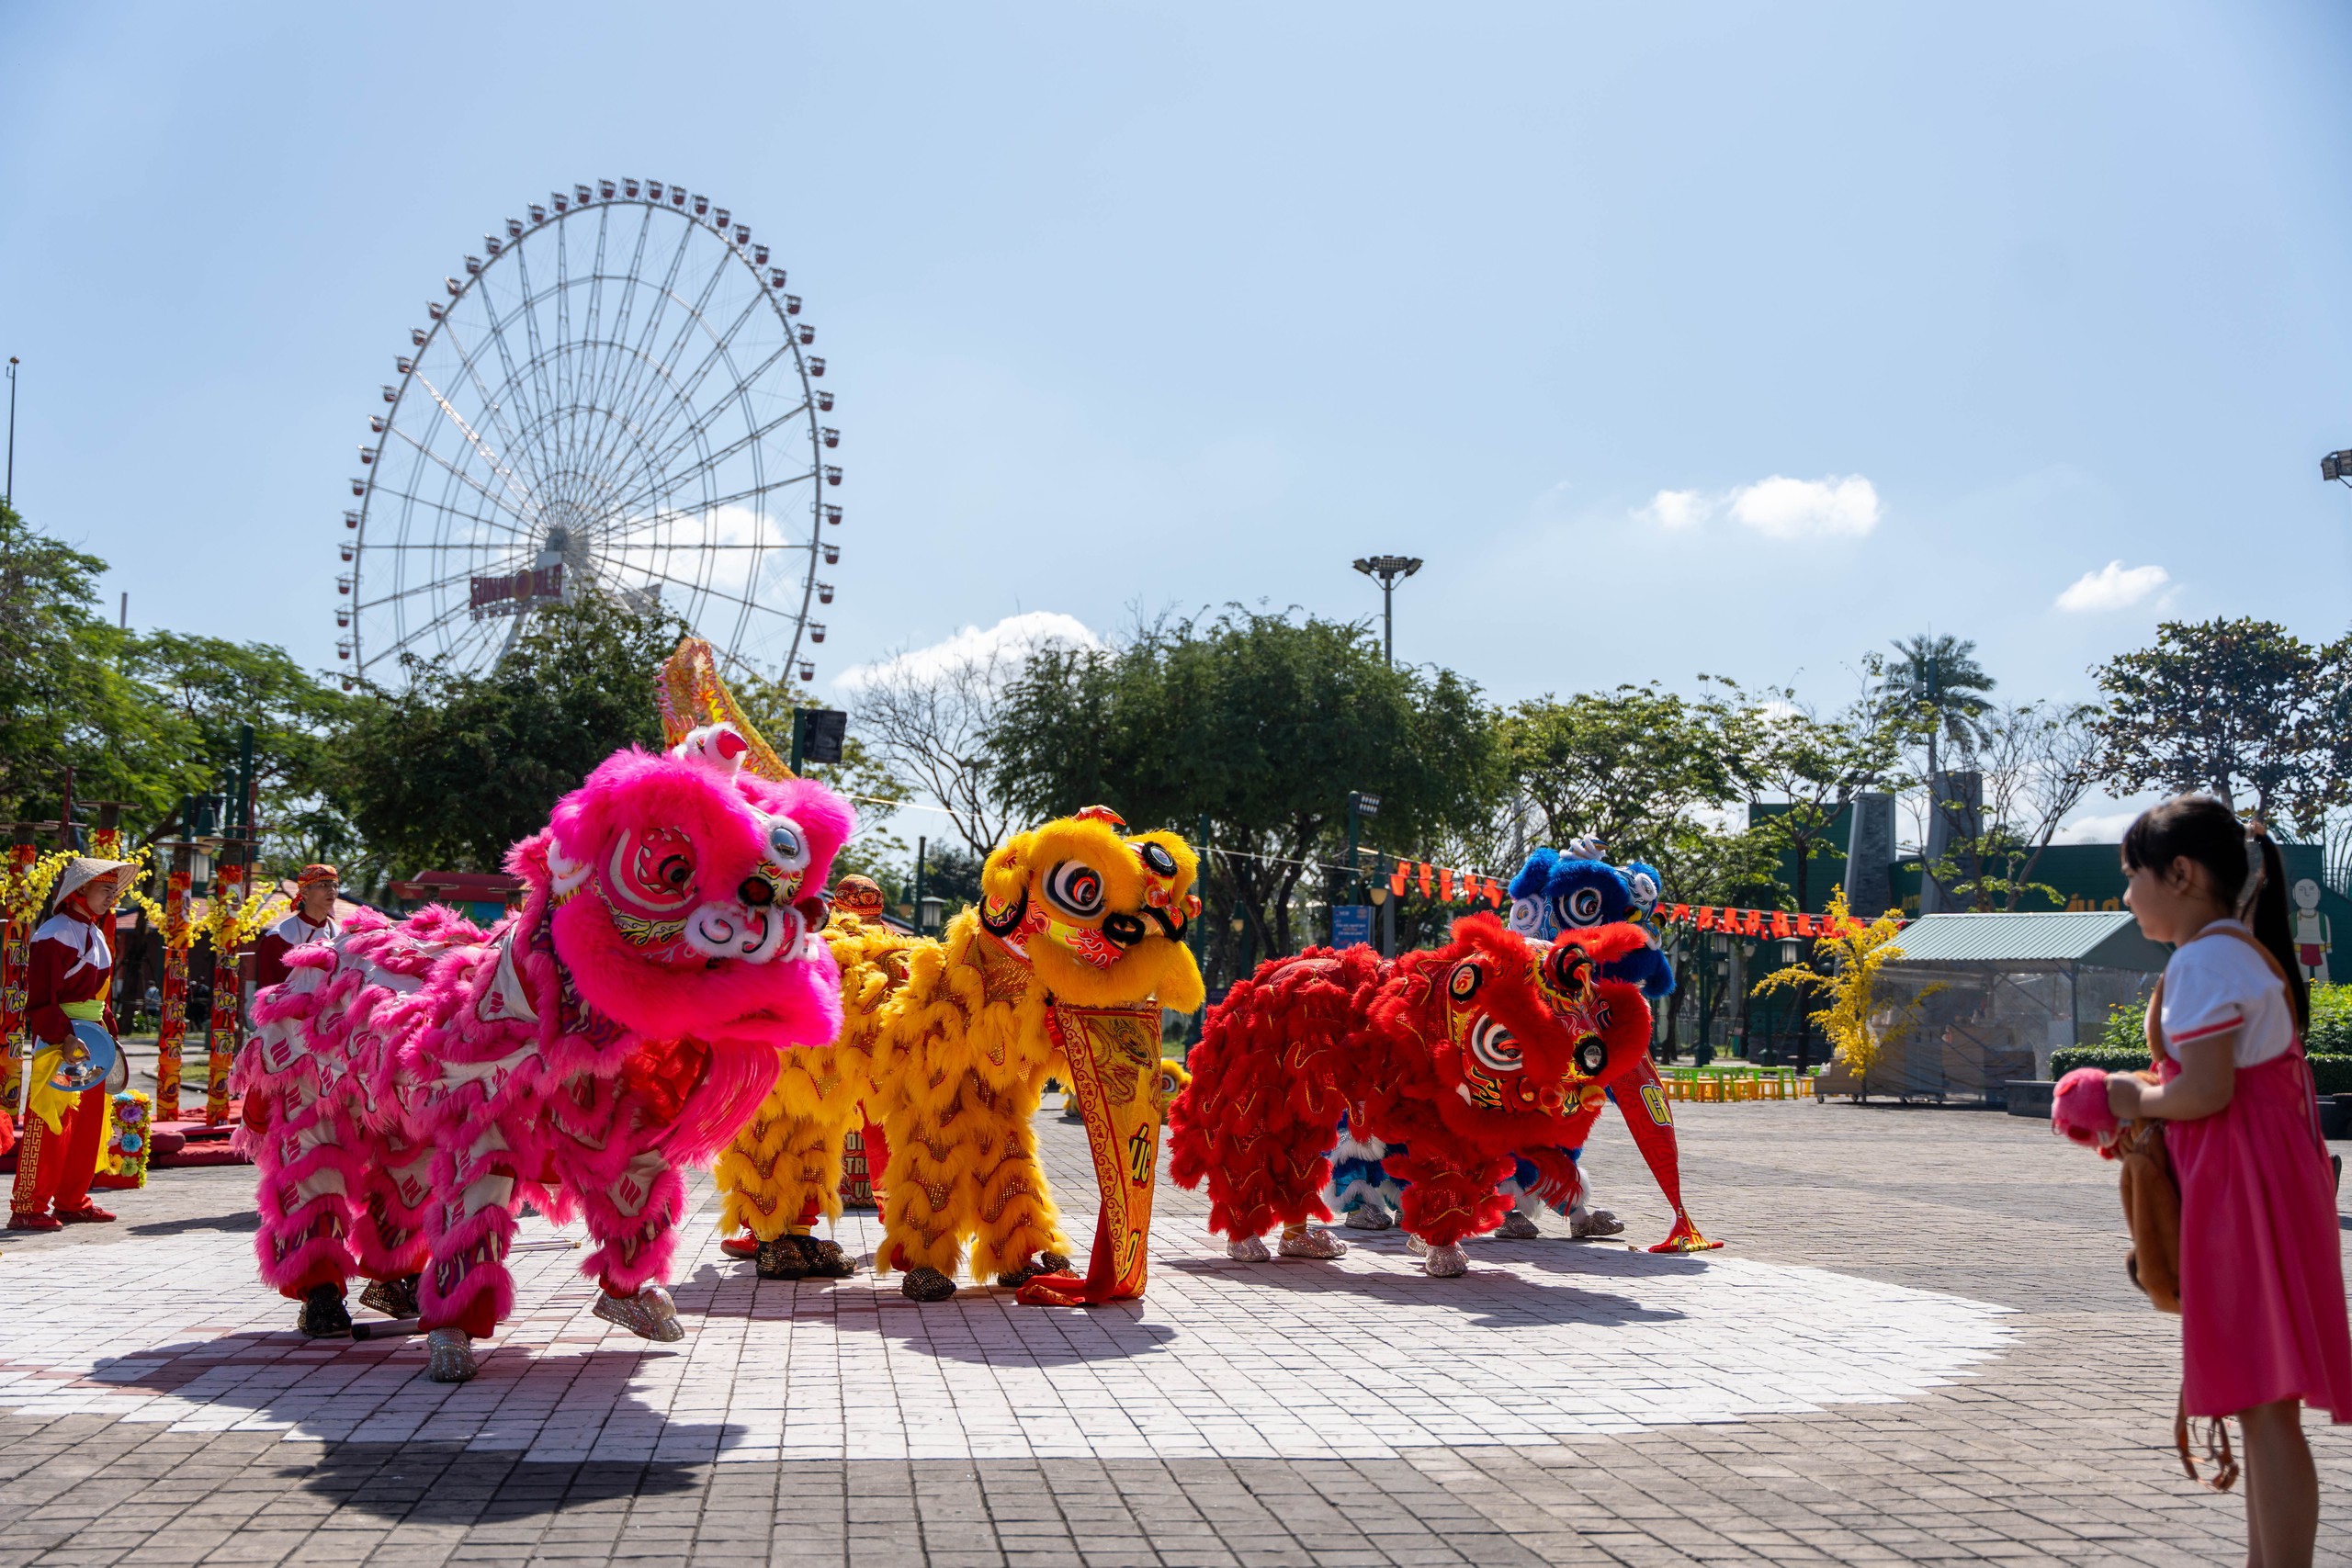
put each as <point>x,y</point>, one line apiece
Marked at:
<point>2078,1108</point>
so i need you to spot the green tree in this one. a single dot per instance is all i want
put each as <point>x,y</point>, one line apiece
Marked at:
<point>1261,723</point>
<point>1620,765</point>
<point>449,773</point>
<point>861,777</point>
<point>2236,707</point>
<point>209,688</point>
<point>1937,683</point>
<point>1815,765</point>
<point>65,700</point>
<point>1644,771</point>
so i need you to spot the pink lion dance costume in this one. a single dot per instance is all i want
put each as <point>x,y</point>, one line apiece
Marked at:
<point>411,1083</point>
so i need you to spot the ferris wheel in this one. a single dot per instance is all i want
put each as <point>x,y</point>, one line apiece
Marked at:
<point>615,399</point>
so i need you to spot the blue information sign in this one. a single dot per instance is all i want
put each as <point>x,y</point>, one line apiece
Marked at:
<point>1351,925</point>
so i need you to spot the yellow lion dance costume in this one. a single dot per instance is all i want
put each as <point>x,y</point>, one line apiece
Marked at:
<point>785,1167</point>
<point>1062,969</point>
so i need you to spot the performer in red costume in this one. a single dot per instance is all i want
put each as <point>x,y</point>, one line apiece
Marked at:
<point>69,982</point>
<point>311,920</point>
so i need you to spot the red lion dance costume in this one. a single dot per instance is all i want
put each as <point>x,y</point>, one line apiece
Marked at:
<point>412,1083</point>
<point>1467,1054</point>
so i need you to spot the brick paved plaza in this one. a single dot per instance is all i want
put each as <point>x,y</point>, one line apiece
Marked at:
<point>1918,1345</point>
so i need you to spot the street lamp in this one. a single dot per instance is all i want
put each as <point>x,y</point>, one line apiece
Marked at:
<point>2335,466</point>
<point>9,494</point>
<point>1389,569</point>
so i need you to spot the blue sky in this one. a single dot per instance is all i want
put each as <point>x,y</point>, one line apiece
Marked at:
<point>1171,306</point>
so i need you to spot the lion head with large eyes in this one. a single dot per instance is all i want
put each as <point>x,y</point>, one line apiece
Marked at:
<point>1100,915</point>
<point>1517,1032</point>
<point>686,893</point>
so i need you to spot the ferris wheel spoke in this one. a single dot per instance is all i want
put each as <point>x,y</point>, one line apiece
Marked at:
<point>401,595</point>
<point>716,455</point>
<point>513,383</point>
<point>629,359</point>
<point>498,465</point>
<point>562,305</point>
<point>595,295</point>
<point>492,406</point>
<point>631,385</point>
<point>607,363</point>
<point>691,586</point>
<point>686,389</point>
<point>529,312</point>
<point>661,517</point>
<point>443,509</point>
<point>467,480</point>
<point>695,318</point>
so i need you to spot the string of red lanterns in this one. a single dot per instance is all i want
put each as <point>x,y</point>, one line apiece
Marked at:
<point>1448,886</point>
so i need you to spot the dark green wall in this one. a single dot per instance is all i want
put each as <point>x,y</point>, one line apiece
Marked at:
<point>2086,876</point>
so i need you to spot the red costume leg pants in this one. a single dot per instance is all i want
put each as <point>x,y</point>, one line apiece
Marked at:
<point>56,1167</point>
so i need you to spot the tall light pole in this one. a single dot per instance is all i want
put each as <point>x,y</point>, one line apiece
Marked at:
<point>1389,569</point>
<point>9,494</point>
<point>2335,466</point>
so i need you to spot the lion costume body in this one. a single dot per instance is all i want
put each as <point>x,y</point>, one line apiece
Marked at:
<point>785,1167</point>
<point>1465,1054</point>
<point>1062,968</point>
<point>412,1082</point>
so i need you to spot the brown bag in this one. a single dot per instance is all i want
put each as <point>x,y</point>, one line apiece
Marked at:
<point>2152,1210</point>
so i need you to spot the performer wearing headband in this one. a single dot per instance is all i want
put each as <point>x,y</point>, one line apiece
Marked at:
<point>69,1009</point>
<point>311,920</point>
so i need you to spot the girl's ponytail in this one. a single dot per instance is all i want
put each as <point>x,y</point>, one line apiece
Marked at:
<point>2269,918</point>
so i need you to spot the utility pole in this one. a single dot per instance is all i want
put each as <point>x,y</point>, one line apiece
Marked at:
<point>10,497</point>
<point>1389,570</point>
<point>920,844</point>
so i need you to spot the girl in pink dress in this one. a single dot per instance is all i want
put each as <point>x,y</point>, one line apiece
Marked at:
<point>2262,1315</point>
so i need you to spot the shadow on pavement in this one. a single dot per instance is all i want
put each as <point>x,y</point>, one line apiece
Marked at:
<point>281,1377</point>
<point>1502,1299</point>
<point>249,1220</point>
<point>969,1326</point>
<point>448,1484</point>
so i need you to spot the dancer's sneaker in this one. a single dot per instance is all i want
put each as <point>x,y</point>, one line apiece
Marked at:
<point>1593,1222</point>
<point>827,1260</point>
<point>926,1285</point>
<point>26,1220</point>
<point>1248,1249</point>
<point>1368,1217</point>
<point>1517,1226</point>
<point>393,1298</point>
<point>745,1247</point>
<point>1313,1242</point>
<point>1446,1262</point>
<point>323,1316</point>
<point>649,1314</point>
<point>449,1355</point>
<point>87,1214</point>
<point>1044,1263</point>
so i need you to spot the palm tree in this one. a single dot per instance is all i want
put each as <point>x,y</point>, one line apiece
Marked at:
<point>1938,679</point>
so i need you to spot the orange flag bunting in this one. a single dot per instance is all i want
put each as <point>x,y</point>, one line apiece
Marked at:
<point>1426,889</point>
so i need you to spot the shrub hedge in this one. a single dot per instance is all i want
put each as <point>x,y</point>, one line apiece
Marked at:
<point>2332,1072</point>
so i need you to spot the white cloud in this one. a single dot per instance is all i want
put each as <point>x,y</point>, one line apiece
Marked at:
<point>2112,587</point>
<point>1778,508</point>
<point>1782,508</point>
<point>1010,640</point>
<point>1675,509</point>
<point>2102,829</point>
